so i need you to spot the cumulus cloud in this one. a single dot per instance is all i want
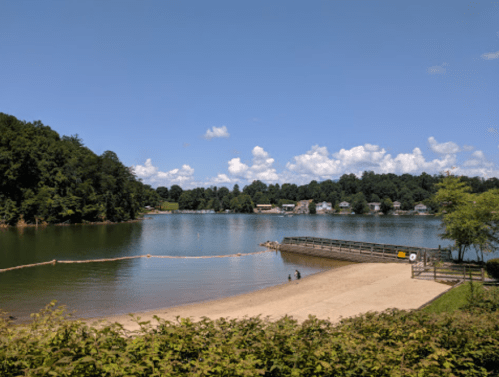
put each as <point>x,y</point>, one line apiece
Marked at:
<point>221,180</point>
<point>437,69</point>
<point>317,163</point>
<point>261,168</point>
<point>478,160</point>
<point>216,132</point>
<point>490,55</point>
<point>150,174</point>
<point>443,148</point>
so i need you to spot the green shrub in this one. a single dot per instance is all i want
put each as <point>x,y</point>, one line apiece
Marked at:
<point>492,267</point>
<point>392,343</point>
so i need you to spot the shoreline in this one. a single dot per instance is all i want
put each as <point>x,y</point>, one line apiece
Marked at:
<point>333,294</point>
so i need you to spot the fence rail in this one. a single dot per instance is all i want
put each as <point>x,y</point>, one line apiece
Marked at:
<point>449,273</point>
<point>362,251</point>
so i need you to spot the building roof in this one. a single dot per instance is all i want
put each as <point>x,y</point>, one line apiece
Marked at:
<point>420,206</point>
<point>374,204</point>
<point>344,204</point>
<point>288,205</point>
<point>396,203</point>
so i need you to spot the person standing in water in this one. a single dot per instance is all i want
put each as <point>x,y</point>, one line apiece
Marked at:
<point>289,277</point>
<point>297,275</point>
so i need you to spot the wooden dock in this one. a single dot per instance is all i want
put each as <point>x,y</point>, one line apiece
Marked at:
<point>362,251</point>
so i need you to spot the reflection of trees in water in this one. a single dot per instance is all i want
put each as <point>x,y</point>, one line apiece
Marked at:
<point>309,261</point>
<point>68,242</point>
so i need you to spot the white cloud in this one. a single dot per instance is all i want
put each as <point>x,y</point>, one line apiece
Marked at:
<point>261,169</point>
<point>150,174</point>
<point>145,171</point>
<point>443,148</point>
<point>216,132</point>
<point>490,55</point>
<point>316,163</point>
<point>478,160</point>
<point>437,69</point>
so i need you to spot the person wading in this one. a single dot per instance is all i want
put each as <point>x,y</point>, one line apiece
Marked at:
<point>297,275</point>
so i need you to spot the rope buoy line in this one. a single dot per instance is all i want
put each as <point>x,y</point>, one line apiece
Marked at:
<point>133,257</point>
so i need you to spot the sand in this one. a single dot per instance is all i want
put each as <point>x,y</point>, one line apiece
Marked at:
<point>334,294</point>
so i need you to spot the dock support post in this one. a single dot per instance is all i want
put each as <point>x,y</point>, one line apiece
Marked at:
<point>435,273</point>
<point>412,271</point>
<point>464,273</point>
<point>424,261</point>
<point>483,274</point>
<point>371,250</point>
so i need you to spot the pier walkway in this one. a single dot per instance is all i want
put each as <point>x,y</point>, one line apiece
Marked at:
<point>362,251</point>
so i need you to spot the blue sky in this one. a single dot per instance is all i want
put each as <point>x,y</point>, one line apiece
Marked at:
<point>201,93</point>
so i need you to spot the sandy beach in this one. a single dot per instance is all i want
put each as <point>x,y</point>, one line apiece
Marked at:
<point>343,292</point>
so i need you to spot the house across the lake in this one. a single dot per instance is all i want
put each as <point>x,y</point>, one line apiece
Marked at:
<point>323,207</point>
<point>344,205</point>
<point>264,207</point>
<point>288,207</point>
<point>374,206</point>
<point>396,205</point>
<point>421,208</point>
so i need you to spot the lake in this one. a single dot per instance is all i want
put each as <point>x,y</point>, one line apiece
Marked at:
<point>119,287</point>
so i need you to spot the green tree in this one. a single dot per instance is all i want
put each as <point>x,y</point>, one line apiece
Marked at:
<point>236,191</point>
<point>470,220</point>
<point>245,204</point>
<point>359,204</point>
<point>386,205</point>
<point>163,192</point>
<point>175,193</point>
<point>312,208</point>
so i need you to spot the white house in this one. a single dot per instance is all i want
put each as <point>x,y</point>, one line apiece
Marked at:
<point>396,205</point>
<point>344,205</point>
<point>374,206</point>
<point>288,207</point>
<point>324,206</point>
<point>421,208</point>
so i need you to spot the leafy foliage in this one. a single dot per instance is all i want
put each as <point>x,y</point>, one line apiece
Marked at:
<point>492,266</point>
<point>52,179</point>
<point>406,189</point>
<point>470,220</point>
<point>312,208</point>
<point>392,343</point>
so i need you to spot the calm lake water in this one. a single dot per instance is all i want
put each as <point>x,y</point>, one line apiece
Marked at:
<point>119,287</point>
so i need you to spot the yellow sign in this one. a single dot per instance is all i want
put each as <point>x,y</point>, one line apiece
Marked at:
<point>401,254</point>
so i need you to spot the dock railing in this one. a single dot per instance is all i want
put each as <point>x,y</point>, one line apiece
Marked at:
<point>397,252</point>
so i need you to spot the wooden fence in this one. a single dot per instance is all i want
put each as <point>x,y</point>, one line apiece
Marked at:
<point>449,272</point>
<point>361,251</point>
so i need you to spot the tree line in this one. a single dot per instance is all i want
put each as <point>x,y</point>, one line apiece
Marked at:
<point>407,189</point>
<point>52,179</point>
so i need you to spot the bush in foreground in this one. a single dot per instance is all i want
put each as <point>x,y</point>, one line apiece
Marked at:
<point>392,343</point>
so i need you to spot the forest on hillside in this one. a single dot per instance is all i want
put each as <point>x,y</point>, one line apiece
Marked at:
<point>47,178</point>
<point>407,189</point>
